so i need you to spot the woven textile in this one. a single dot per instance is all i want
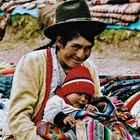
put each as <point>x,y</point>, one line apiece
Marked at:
<point>51,132</point>
<point>112,86</point>
<point>114,130</point>
<point>124,17</point>
<point>99,2</point>
<point>127,90</point>
<point>130,8</point>
<point>118,14</point>
<point>111,21</point>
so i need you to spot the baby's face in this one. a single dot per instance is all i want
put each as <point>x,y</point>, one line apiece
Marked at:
<point>78,100</point>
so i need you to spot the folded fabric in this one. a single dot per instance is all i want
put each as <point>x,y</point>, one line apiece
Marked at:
<point>114,85</point>
<point>131,101</point>
<point>46,14</point>
<point>124,17</point>
<point>111,21</point>
<point>99,2</point>
<point>133,26</point>
<point>116,14</point>
<point>5,86</point>
<point>107,79</point>
<point>7,6</point>
<point>129,8</point>
<point>7,71</point>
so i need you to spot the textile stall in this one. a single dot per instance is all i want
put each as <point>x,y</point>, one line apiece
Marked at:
<point>124,92</point>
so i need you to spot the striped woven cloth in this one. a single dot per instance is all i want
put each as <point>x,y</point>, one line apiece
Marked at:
<point>129,8</point>
<point>52,132</point>
<point>46,15</point>
<point>99,2</point>
<point>126,89</point>
<point>119,14</point>
<point>124,17</point>
<point>127,110</point>
<point>94,130</point>
<point>111,21</point>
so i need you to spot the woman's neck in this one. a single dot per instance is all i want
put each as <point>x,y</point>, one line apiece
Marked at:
<point>65,67</point>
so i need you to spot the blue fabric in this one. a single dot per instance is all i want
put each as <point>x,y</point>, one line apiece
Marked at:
<point>21,10</point>
<point>1,13</point>
<point>132,26</point>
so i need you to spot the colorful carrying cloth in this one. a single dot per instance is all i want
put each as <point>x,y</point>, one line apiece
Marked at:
<point>52,132</point>
<point>95,130</point>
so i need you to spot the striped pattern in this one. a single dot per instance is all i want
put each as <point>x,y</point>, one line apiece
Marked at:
<point>111,21</point>
<point>126,89</point>
<point>78,80</point>
<point>124,17</point>
<point>119,14</point>
<point>49,131</point>
<point>101,2</point>
<point>97,131</point>
<point>130,8</point>
<point>86,129</point>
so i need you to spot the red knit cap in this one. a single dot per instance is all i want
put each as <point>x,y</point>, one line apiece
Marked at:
<point>78,80</point>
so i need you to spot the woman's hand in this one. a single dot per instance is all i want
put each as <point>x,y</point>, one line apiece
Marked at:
<point>69,120</point>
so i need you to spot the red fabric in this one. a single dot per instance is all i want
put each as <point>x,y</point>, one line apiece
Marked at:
<point>78,87</point>
<point>60,94</point>
<point>132,103</point>
<point>48,84</point>
<point>78,80</point>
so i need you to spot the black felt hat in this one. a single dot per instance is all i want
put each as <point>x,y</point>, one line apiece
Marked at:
<point>73,14</point>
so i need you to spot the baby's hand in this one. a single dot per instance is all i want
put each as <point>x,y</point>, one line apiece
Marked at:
<point>91,108</point>
<point>69,120</point>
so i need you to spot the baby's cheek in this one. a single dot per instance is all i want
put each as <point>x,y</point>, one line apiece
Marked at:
<point>77,99</point>
<point>86,101</point>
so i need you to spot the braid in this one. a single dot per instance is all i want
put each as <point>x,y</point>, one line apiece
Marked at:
<point>46,46</point>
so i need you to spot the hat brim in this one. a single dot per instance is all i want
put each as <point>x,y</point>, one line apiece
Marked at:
<point>92,27</point>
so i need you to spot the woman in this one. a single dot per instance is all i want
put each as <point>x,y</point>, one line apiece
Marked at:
<point>72,40</point>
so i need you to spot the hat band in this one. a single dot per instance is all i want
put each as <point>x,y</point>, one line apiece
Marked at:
<point>75,19</point>
<point>78,80</point>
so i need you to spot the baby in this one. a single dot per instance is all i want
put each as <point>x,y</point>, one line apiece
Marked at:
<point>76,93</point>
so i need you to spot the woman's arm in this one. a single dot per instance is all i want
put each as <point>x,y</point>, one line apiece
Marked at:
<point>24,97</point>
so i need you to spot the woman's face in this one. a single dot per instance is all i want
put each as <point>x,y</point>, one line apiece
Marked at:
<point>74,53</point>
